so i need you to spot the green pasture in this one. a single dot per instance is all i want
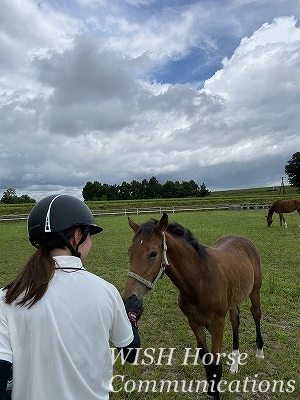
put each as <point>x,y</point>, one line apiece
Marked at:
<point>162,324</point>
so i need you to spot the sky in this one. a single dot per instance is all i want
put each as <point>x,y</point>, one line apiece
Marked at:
<point>121,90</point>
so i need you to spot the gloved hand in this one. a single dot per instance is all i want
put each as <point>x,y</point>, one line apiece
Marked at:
<point>134,308</point>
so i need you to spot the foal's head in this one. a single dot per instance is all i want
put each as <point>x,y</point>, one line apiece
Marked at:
<point>269,219</point>
<point>145,254</point>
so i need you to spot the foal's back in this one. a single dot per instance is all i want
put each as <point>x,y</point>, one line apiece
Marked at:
<point>238,245</point>
<point>286,206</point>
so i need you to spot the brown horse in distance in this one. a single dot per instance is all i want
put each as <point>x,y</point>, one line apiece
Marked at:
<point>212,281</point>
<point>283,206</point>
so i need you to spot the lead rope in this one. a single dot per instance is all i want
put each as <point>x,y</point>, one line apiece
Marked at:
<point>151,285</point>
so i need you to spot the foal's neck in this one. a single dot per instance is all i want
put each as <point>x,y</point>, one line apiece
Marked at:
<point>185,266</point>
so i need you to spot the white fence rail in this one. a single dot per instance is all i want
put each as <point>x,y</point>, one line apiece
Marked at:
<point>158,210</point>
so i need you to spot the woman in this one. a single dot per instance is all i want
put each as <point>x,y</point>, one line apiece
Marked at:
<point>56,318</point>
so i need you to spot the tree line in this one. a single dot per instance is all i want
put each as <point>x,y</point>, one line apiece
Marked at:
<point>147,189</point>
<point>150,189</point>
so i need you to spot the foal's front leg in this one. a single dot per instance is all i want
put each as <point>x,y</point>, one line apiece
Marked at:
<point>214,370</point>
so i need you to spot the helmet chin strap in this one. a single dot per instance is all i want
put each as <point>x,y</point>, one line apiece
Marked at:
<point>83,237</point>
<point>73,251</point>
<point>68,244</point>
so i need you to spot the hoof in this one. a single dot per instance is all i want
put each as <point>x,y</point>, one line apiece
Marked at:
<point>213,395</point>
<point>234,369</point>
<point>260,354</point>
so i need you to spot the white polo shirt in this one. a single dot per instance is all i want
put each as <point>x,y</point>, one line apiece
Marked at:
<point>60,346</point>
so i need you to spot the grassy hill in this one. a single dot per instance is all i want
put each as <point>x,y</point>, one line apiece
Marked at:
<point>263,195</point>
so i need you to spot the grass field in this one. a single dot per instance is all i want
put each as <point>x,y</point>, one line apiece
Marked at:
<point>164,326</point>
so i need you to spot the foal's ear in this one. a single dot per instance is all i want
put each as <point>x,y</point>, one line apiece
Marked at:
<point>133,225</point>
<point>163,223</point>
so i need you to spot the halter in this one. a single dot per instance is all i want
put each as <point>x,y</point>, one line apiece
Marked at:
<point>149,284</point>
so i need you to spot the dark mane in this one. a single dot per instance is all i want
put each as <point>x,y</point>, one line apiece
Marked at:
<point>146,228</point>
<point>185,234</point>
<point>174,229</point>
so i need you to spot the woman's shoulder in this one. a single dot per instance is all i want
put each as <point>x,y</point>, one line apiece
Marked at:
<point>98,280</point>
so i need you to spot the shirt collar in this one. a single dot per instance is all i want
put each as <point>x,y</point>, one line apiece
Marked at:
<point>68,262</point>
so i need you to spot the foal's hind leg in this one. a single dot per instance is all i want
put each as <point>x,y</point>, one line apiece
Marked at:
<point>256,313</point>
<point>235,323</point>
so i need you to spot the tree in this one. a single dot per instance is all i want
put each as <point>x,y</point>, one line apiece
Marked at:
<point>203,191</point>
<point>26,199</point>
<point>112,191</point>
<point>153,188</point>
<point>10,197</point>
<point>125,191</point>
<point>93,191</point>
<point>168,190</point>
<point>292,169</point>
<point>189,189</point>
<point>136,189</point>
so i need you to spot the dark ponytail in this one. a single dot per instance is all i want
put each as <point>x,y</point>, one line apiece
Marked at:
<point>32,282</point>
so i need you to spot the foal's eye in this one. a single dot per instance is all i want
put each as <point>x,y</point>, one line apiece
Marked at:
<point>153,253</point>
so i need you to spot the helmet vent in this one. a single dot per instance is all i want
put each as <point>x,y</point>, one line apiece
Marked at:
<point>47,219</point>
<point>47,223</point>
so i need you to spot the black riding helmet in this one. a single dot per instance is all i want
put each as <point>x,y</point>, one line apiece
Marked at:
<point>55,214</point>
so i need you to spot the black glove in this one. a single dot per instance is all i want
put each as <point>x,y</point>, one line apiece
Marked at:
<point>134,309</point>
